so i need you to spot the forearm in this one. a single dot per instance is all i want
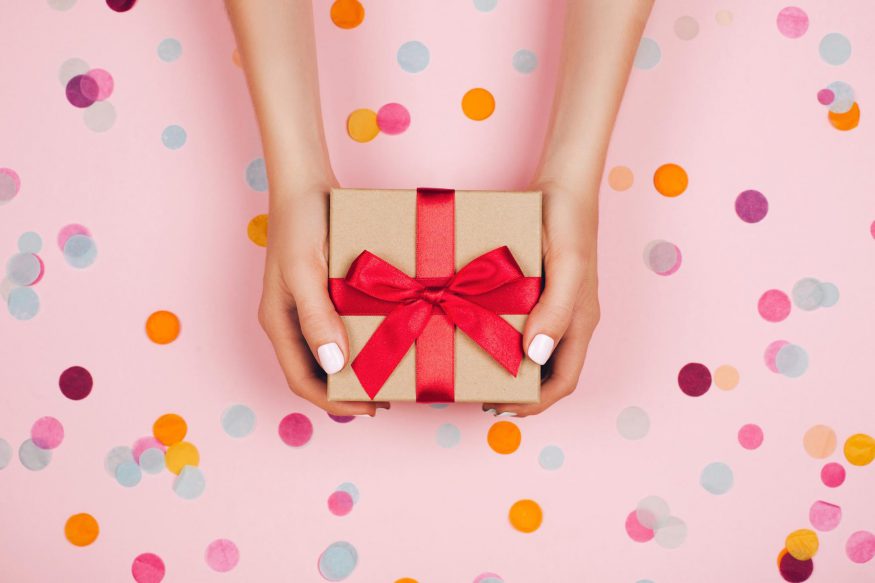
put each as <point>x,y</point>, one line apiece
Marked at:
<point>277,45</point>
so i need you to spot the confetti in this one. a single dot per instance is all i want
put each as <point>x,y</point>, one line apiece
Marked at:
<point>723,17</point>
<point>169,50</point>
<point>10,184</point>
<point>350,489</point>
<point>633,423</point>
<point>846,121</point>
<point>23,303</point>
<point>478,104</point>
<point>148,568</point>
<point>121,5</point>
<point>648,54</point>
<point>180,455</point>
<point>716,478</point>
<point>76,383</point>
<point>792,22</point>
<point>100,117</point>
<point>340,503</point>
<point>170,428</point>
<point>117,456</point>
<point>361,125</point>
<point>791,361</point>
<point>24,269</point>
<point>338,561</point>
<point>61,5</point>
<point>128,474</point>
<point>819,441</point>
<point>504,437</point>
<point>824,516</point>
<point>652,511</point>
<point>222,555</point>
<point>860,449</point>
<point>162,327</point>
<point>393,118</point>
<point>802,544</point>
<point>672,533</point>
<point>47,433</point>
<point>842,97</point>
<point>694,379</point>
<point>750,436</point>
<point>105,83</point>
<point>551,457</point>
<point>190,483</point>
<point>662,257</point>
<point>774,306</point>
<point>860,547</point>
<point>238,421</point>
<point>70,68</point>
<point>152,460</point>
<point>620,178</point>
<point>80,251</point>
<point>448,435</point>
<point>30,242</point>
<point>771,353</point>
<point>81,529</point>
<point>173,137</point>
<point>807,294</point>
<point>835,48</point>
<point>256,175</point>
<point>413,56</point>
<point>347,13</point>
<point>832,475</point>
<point>525,61</point>
<point>636,531</point>
<point>670,180</point>
<point>686,28</point>
<point>751,206</point>
<point>256,230</point>
<point>794,570</point>
<point>726,377</point>
<point>143,444</point>
<point>525,515</point>
<point>5,453</point>
<point>33,457</point>
<point>82,91</point>
<point>488,578</point>
<point>296,429</point>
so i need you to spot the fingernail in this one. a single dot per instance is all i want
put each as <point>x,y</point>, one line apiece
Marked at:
<point>540,348</point>
<point>330,357</point>
<point>383,405</point>
<point>490,411</point>
<point>507,414</point>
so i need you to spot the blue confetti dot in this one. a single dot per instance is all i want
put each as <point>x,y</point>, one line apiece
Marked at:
<point>551,457</point>
<point>117,456</point>
<point>843,97</point>
<point>525,61</point>
<point>80,251</point>
<point>648,54</point>
<point>169,50</point>
<point>30,242</point>
<point>413,56</point>
<point>23,268</point>
<point>830,295</point>
<point>238,420</point>
<point>485,5</point>
<point>5,453</point>
<point>190,483</point>
<point>835,48</point>
<point>174,137</point>
<point>152,460</point>
<point>338,561</point>
<point>33,457</point>
<point>644,581</point>
<point>128,474</point>
<point>716,478</point>
<point>23,303</point>
<point>350,489</point>
<point>448,435</point>
<point>256,175</point>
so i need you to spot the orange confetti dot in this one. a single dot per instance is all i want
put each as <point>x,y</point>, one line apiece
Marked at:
<point>860,449</point>
<point>726,377</point>
<point>235,58</point>
<point>478,104</point>
<point>846,121</point>
<point>504,437</point>
<point>361,125</point>
<point>670,180</point>
<point>406,580</point>
<point>81,529</point>
<point>802,544</point>
<point>257,230</point>
<point>180,455</point>
<point>781,556</point>
<point>170,429</point>
<point>819,441</point>
<point>162,327</point>
<point>525,515</point>
<point>620,178</point>
<point>347,13</point>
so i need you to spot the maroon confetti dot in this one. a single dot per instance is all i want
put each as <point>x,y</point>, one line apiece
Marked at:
<point>296,429</point>
<point>121,5</point>
<point>342,418</point>
<point>76,383</point>
<point>751,206</point>
<point>82,91</point>
<point>694,379</point>
<point>794,570</point>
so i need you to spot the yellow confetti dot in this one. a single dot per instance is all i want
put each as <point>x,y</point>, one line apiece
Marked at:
<point>860,449</point>
<point>819,441</point>
<point>162,327</point>
<point>802,544</point>
<point>257,230</point>
<point>670,180</point>
<point>504,437</point>
<point>525,515</point>
<point>620,178</point>
<point>478,104</point>
<point>726,377</point>
<point>361,125</point>
<point>347,13</point>
<point>846,121</point>
<point>235,58</point>
<point>181,454</point>
<point>169,429</point>
<point>81,529</point>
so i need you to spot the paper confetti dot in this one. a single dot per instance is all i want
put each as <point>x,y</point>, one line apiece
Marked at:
<point>792,22</point>
<point>222,555</point>
<point>5,453</point>
<point>662,257</point>
<point>105,83</point>
<point>256,230</point>
<point>860,547</point>
<point>115,457</point>
<point>169,429</point>
<point>830,295</point>
<point>525,61</point>
<point>488,578</point>
<point>716,478</point>
<point>504,437</point>
<point>802,544</point>
<point>633,423</point>
<point>648,54</point>
<point>296,429</point>
<point>750,436</point>
<point>670,180</point>
<point>636,531</point>
<point>347,13</point>
<point>100,117</point>
<point>76,383</point>
<point>842,97</point>
<point>652,511</point>
<point>70,68</point>
<point>478,104</point>
<point>860,449</point>
<point>162,327</point>
<point>10,184</point>
<point>791,361</point>
<point>774,306</point>
<point>620,178</point>
<point>723,17</point>
<point>448,435</point>
<point>30,242</point>
<point>694,379</point>
<point>80,251</point>
<point>169,50</point>
<point>68,231</point>
<point>825,97</point>
<point>393,118</point>
<point>672,533</point>
<point>835,48</point>
<point>190,483</point>
<point>832,475</point>
<point>81,529</point>
<point>144,443</point>
<point>47,433</point>
<point>180,455</point>
<point>33,457</point>
<point>819,441</point>
<point>751,206</point>
<point>551,457</point>
<point>485,5</point>
<point>81,91</point>
<point>413,56</point>
<point>807,294</point>
<point>726,377</point>
<point>350,489</point>
<point>824,516</point>
<point>340,503</point>
<point>525,515</point>
<point>361,125</point>
<point>24,269</point>
<point>794,570</point>
<point>338,561</point>
<point>61,5</point>
<point>128,474</point>
<point>23,303</point>
<point>152,460</point>
<point>238,421</point>
<point>771,352</point>
<point>845,121</point>
<point>173,137</point>
<point>121,5</point>
<point>686,27</point>
<point>256,175</point>
<point>341,418</point>
<point>148,568</point>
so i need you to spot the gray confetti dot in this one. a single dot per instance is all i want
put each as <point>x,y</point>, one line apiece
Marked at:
<point>633,423</point>
<point>32,457</point>
<point>844,97</point>
<point>716,478</point>
<point>652,511</point>
<point>350,489</point>
<point>9,185</point>
<point>662,257</point>
<point>117,456</point>
<point>23,268</point>
<point>413,56</point>
<point>30,242</point>
<point>80,251</point>
<point>256,175</point>
<point>525,61</point>
<point>648,55</point>
<point>807,294</point>
<point>448,435</point>
<point>128,474</point>
<point>835,48</point>
<point>100,117</point>
<point>338,561</point>
<point>61,5</point>
<point>23,303</point>
<point>238,420</point>
<point>152,460</point>
<point>791,361</point>
<point>70,68</point>
<point>551,457</point>
<point>485,5</point>
<point>190,483</point>
<point>5,453</point>
<point>169,50</point>
<point>671,533</point>
<point>174,137</point>
<point>686,27</point>
<point>830,295</point>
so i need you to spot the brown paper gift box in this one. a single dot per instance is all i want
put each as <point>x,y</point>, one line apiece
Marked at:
<point>384,223</point>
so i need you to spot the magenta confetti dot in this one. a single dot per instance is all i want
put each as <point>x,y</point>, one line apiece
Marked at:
<point>694,379</point>
<point>794,570</point>
<point>340,503</point>
<point>771,354</point>
<point>832,475</point>
<point>342,418</point>
<point>296,429</point>
<point>82,91</point>
<point>861,546</point>
<point>68,231</point>
<point>774,305</point>
<point>825,96</point>
<point>792,22</point>
<point>76,383</point>
<point>104,81</point>
<point>148,568</point>
<point>393,118</point>
<point>637,531</point>
<point>121,5</point>
<point>751,206</point>
<point>145,443</point>
<point>824,516</point>
<point>750,436</point>
<point>222,555</point>
<point>47,433</point>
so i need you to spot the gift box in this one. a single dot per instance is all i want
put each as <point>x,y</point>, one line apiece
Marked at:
<point>433,286</point>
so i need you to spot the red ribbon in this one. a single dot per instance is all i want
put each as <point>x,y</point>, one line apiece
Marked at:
<point>426,309</point>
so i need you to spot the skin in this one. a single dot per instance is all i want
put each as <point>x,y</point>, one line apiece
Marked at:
<point>278,50</point>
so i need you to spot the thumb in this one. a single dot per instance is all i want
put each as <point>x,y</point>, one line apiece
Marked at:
<point>321,326</point>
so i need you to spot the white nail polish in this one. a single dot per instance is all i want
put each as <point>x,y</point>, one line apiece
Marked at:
<point>490,411</point>
<point>330,357</point>
<point>507,414</point>
<point>540,348</point>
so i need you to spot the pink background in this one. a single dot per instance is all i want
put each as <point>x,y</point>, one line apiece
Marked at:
<point>735,107</point>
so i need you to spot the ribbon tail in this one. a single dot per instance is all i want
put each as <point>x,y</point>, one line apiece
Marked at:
<point>489,330</point>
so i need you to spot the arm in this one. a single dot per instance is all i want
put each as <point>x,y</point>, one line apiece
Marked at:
<point>600,41</point>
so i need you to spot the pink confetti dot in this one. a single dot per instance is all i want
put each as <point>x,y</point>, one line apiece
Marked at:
<point>70,230</point>
<point>750,436</point>
<point>296,429</point>
<point>340,503</point>
<point>104,81</point>
<point>792,22</point>
<point>861,546</point>
<point>148,568</point>
<point>393,118</point>
<point>772,352</point>
<point>824,516</point>
<point>10,184</point>
<point>47,433</point>
<point>872,229</point>
<point>825,96</point>
<point>145,443</point>
<point>832,475</point>
<point>222,555</point>
<point>774,305</point>
<point>636,531</point>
